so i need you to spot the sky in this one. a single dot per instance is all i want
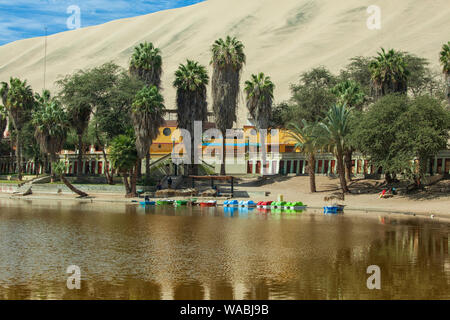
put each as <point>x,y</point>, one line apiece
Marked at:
<point>22,19</point>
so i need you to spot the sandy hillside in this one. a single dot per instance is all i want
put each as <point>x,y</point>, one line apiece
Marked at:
<point>282,38</point>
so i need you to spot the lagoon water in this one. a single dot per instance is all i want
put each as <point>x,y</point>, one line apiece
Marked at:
<point>129,252</point>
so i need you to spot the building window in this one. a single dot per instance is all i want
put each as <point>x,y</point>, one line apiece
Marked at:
<point>167,132</point>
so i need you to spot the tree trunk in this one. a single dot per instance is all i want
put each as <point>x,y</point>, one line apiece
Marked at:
<point>72,188</point>
<point>224,156</point>
<point>447,86</point>
<point>341,170</point>
<point>126,184</point>
<point>109,178</point>
<point>312,174</point>
<point>18,157</point>
<point>147,167</point>
<point>52,171</point>
<point>388,178</point>
<point>139,169</point>
<point>80,156</point>
<point>348,164</point>
<point>133,181</point>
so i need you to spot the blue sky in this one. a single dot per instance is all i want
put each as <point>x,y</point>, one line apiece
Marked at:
<point>21,19</point>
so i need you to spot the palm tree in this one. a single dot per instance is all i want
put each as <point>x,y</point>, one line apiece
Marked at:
<point>445,62</point>
<point>51,126</point>
<point>191,80</point>
<point>310,139</point>
<point>349,93</point>
<point>146,65</point>
<point>19,102</point>
<point>259,91</point>
<point>389,72</point>
<point>228,58</point>
<point>147,113</point>
<point>3,122</point>
<point>336,125</point>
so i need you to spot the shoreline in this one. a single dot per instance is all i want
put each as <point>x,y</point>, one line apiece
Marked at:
<point>115,198</point>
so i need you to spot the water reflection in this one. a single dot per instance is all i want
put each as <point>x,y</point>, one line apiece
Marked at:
<point>132,252</point>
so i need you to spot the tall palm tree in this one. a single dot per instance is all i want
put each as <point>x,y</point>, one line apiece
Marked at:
<point>336,125</point>
<point>3,121</point>
<point>310,139</point>
<point>259,92</point>
<point>349,93</point>
<point>146,65</point>
<point>389,72</point>
<point>51,125</point>
<point>191,80</point>
<point>147,113</point>
<point>445,62</point>
<point>228,58</point>
<point>19,102</point>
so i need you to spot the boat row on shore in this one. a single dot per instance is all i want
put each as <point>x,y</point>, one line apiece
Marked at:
<point>266,205</point>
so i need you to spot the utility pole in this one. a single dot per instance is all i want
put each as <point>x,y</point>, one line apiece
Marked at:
<point>45,57</point>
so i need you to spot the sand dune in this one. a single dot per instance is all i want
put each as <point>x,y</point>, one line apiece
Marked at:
<point>282,38</point>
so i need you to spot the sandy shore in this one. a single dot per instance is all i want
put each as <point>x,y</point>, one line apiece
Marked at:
<point>297,189</point>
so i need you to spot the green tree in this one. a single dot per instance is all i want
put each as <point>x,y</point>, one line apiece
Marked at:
<point>312,97</point>
<point>426,132</point>
<point>228,59</point>
<point>336,124</point>
<point>444,58</point>
<point>358,71</point>
<point>147,113</point>
<point>60,169</point>
<point>377,131</point>
<point>191,80</point>
<point>124,158</point>
<point>389,72</point>
<point>75,95</point>
<point>51,126</point>
<point>19,101</point>
<point>310,139</point>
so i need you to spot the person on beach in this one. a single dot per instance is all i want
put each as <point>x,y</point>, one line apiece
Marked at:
<point>159,186</point>
<point>169,183</point>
